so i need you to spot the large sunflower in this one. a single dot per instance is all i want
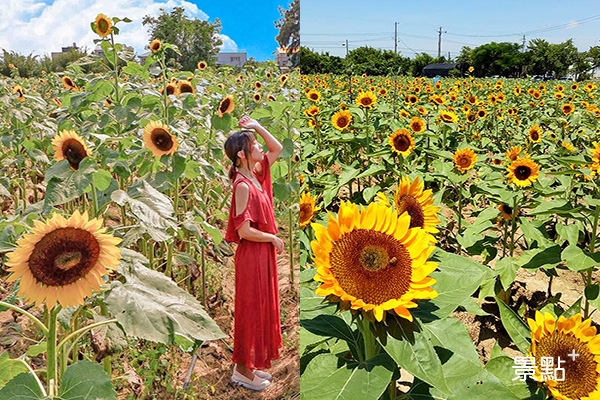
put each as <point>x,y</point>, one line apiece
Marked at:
<point>418,203</point>
<point>103,25</point>
<point>402,142</point>
<point>226,106</point>
<point>370,258</point>
<point>307,209</point>
<point>464,159</point>
<point>595,157</point>
<point>63,260</point>
<point>70,146</point>
<point>523,171</point>
<point>159,140</point>
<point>573,346</point>
<point>341,120</point>
<point>366,99</point>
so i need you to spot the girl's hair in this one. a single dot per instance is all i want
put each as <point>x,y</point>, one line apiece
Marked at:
<point>237,141</point>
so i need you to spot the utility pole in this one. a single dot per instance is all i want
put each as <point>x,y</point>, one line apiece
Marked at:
<point>440,42</point>
<point>395,38</point>
<point>448,56</point>
<point>523,47</point>
<point>346,45</point>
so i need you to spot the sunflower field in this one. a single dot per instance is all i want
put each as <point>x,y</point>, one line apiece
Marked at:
<point>449,235</point>
<point>114,196</point>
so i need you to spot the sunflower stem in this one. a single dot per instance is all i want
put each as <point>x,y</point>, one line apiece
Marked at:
<point>79,333</point>
<point>459,212</point>
<point>291,243</point>
<point>513,228</point>
<point>94,199</point>
<point>371,347</point>
<point>37,379</point>
<point>116,65</point>
<point>32,317</point>
<point>51,360</point>
<point>169,257</point>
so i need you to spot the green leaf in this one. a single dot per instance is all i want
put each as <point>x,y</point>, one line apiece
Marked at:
<point>36,349</point>
<point>101,179</point>
<point>151,306</point>
<point>323,380</point>
<point>575,308</point>
<point>22,387</point>
<point>370,192</point>
<point>533,235</point>
<point>214,232</point>
<point>548,258</point>
<point>312,305</point>
<point>222,123</point>
<point>557,206</point>
<point>517,329</point>
<point>134,69</point>
<point>10,368</point>
<point>507,269</point>
<point>576,259</point>
<point>65,184</point>
<point>288,148</point>
<point>86,380</point>
<point>332,326</point>
<point>569,232</point>
<point>412,348</point>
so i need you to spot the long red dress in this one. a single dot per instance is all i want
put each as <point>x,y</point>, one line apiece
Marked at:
<point>257,327</point>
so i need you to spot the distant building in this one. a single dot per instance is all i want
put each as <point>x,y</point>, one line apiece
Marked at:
<point>236,59</point>
<point>283,59</point>
<point>443,69</point>
<point>142,57</point>
<point>64,50</point>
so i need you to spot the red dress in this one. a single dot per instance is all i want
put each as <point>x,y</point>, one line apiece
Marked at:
<point>257,327</point>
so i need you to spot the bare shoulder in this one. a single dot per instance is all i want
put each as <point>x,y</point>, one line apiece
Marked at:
<point>242,196</point>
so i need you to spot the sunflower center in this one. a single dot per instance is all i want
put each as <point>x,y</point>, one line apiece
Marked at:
<point>415,126</point>
<point>413,208</point>
<point>74,152</point>
<point>522,172</point>
<point>224,105</point>
<point>366,101</point>
<point>371,266</point>
<point>464,161</point>
<point>506,209</point>
<point>580,371</point>
<point>63,256</point>
<point>342,122</point>
<point>186,89</point>
<point>401,143</point>
<point>103,25</point>
<point>305,212</point>
<point>162,139</point>
<point>535,135</point>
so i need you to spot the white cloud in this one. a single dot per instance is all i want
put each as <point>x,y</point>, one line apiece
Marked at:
<point>31,26</point>
<point>228,43</point>
<point>572,24</point>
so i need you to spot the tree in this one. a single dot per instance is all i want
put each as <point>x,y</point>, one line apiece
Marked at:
<point>504,59</point>
<point>421,61</point>
<point>289,31</point>
<point>197,40</point>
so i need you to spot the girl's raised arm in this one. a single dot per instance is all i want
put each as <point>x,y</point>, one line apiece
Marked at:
<point>272,144</point>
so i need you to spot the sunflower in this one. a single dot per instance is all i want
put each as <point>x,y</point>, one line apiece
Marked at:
<point>258,84</point>
<point>185,86</point>
<point>535,134</point>
<point>482,113</point>
<point>341,120</point>
<point>513,153</point>
<point>63,260</point>
<point>506,211</point>
<point>567,108</point>
<point>108,102</point>
<point>201,65</point>
<point>312,111</point>
<point>256,97</point>
<point>448,116</point>
<point>573,346</point>
<point>70,146</point>
<point>411,197</point>
<point>271,98</point>
<point>155,46</point>
<point>313,95</point>
<point>464,159</point>
<point>370,258</point>
<point>172,89</point>
<point>18,90</point>
<point>402,142</point>
<point>366,99</point>
<point>159,140</point>
<point>421,111</point>
<point>523,171</point>
<point>417,125</point>
<point>226,106</point>
<point>68,83</point>
<point>268,75</point>
<point>307,209</point>
<point>283,79</point>
<point>103,25</point>
<point>595,157</point>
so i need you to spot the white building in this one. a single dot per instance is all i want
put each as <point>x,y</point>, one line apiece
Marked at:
<point>283,59</point>
<point>235,59</point>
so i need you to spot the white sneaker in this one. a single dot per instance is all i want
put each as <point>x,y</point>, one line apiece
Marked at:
<point>254,384</point>
<point>263,374</point>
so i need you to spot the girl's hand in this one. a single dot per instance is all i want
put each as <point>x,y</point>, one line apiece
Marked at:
<point>248,123</point>
<point>278,243</point>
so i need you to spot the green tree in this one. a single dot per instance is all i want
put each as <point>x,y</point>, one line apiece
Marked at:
<point>421,61</point>
<point>504,59</point>
<point>312,62</point>
<point>197,40</point>
<point>289,31</point>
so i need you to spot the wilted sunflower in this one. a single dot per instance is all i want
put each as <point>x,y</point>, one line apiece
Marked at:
<point>417,125</point>
<point>506,211</point>
<point>159,140</point>
<point>366,99</point>
<point>63,260</point>
<point>70,146</point>
<point>567,108</point>
<point>185,86</point>
<point>226,106</point>
<point>313,95</point>
<point>402,142</point>
<point>202,65</point>
<point>523,171</point>
<point>575,343</point>
<point>256,97</point>
<point>464,159</point>
<point>68,83</point>
<point>341,120</point>
<point>155,46</point>
<point>448,116</point>
<point>370,258</point>
<point>535,134</point>
<point>103,25</point>
<point>418,203</point>
<point>513,153</point>
<point>307,209</point>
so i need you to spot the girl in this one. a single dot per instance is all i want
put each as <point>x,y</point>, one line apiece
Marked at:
<point>257,330</point>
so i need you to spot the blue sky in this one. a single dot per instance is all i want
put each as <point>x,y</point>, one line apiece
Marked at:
<point>43,26</point>
<point>325,25</point>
